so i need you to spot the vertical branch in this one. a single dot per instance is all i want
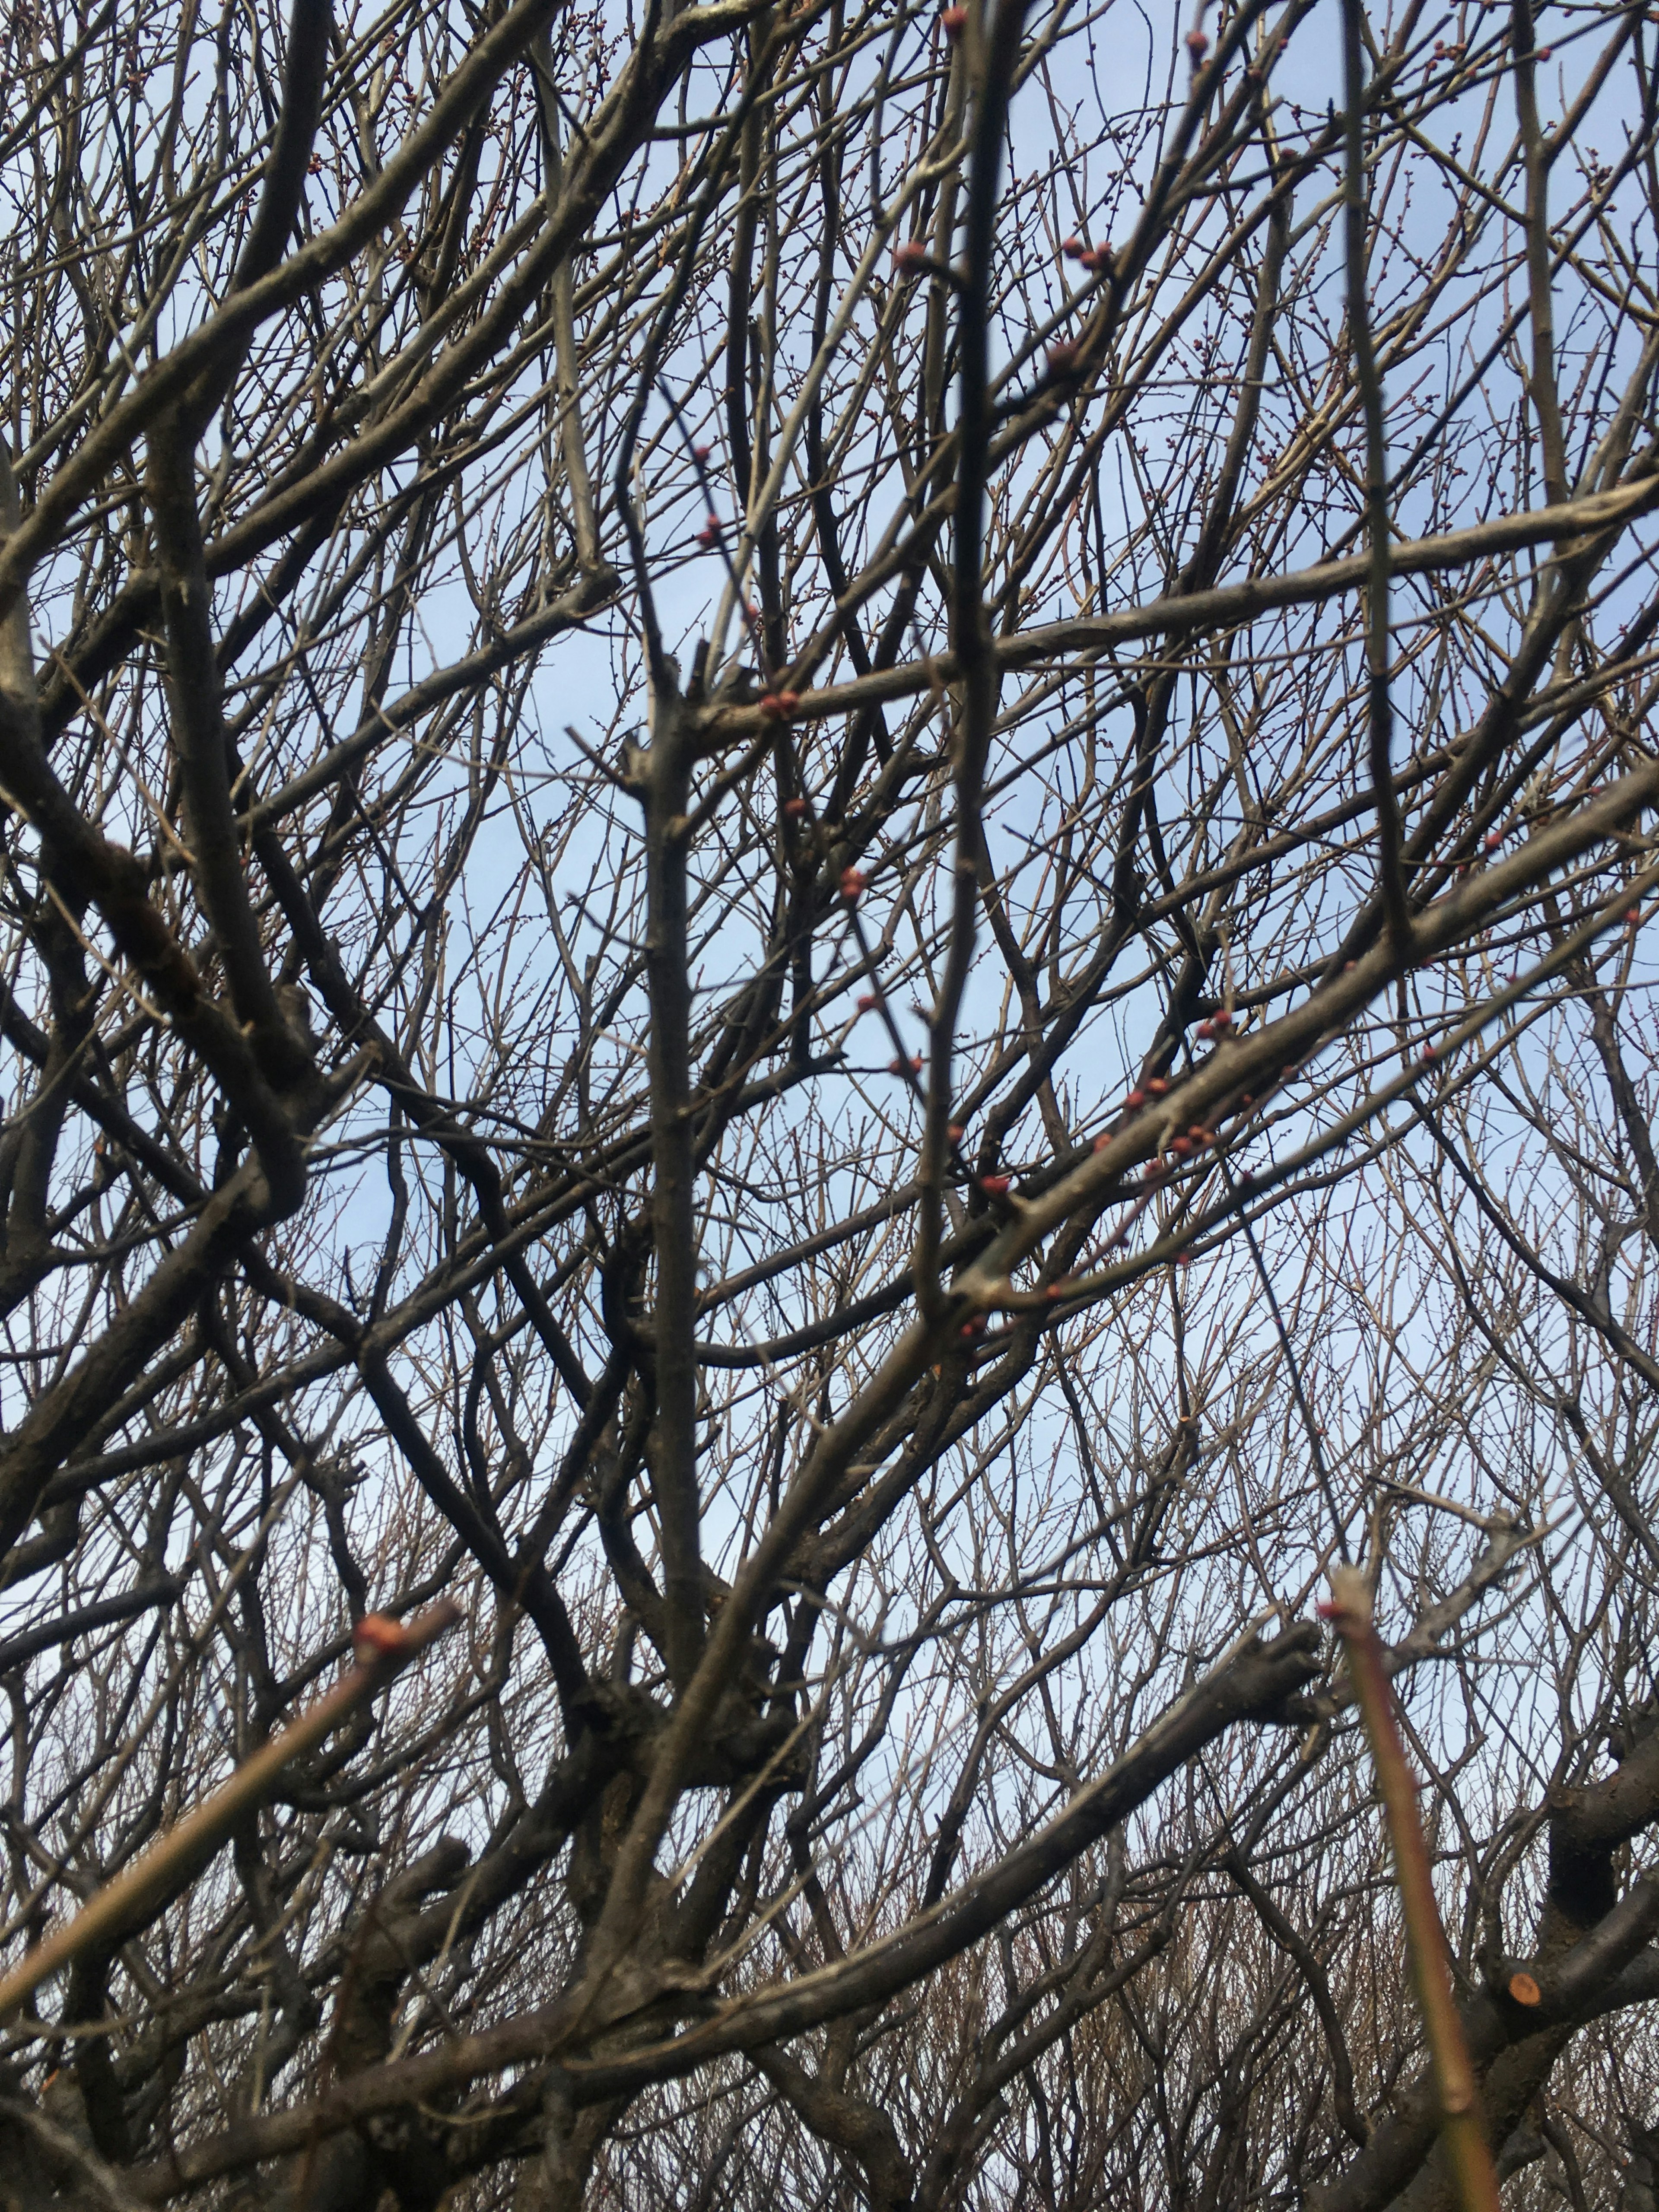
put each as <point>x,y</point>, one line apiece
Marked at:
<point>17,685</point>
<point>1467,2155</point>
<point>970,633</point>
<point>1535,155</point>
<point>198,742</point>
<point>565,360</point>
<point>666,782</point>
<point>1379,706</point>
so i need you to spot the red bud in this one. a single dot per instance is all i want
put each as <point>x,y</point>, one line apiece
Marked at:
<point>994,1186</point>
<point>852,882</point>
<point>794,808</point>
<point>375,1635</point>
<point>1135,1099</point>
<point>1157,1086</point>
<point>955,20</point>
<point>869,1002</point>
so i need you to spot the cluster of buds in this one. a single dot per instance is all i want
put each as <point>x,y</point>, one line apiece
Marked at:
<point>852,882</point>
<point>1218,1025</point>
<point>1096,259</point>
<point>1063,358</point>
<point>779,706</point>
<point>1194,1141</point>
<point>912,258</point>
<point>710,533</point>
<point>902,1066</point>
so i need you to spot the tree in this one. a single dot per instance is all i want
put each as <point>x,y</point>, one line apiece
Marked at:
<point>825,845</point>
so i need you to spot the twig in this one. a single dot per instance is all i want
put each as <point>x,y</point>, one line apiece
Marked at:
<point>1467,2155</point>
<point>1380,709</point>
<point>383,1650</point>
